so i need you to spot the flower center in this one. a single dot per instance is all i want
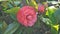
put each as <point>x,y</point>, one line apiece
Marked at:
<point>29,17</point>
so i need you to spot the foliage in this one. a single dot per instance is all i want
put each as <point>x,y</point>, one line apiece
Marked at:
<point>45,23</point>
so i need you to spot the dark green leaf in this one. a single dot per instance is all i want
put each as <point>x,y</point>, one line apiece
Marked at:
<point>11,28</point>
<point>10,6</point>
<point>1,24</point>
<point>38,22</point>
<point>13,16</point>
<point>19,30</point>
<point>57,15</point>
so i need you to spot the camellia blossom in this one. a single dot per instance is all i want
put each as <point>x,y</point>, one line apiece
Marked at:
<point>27,16</point>
<point>41,8</point>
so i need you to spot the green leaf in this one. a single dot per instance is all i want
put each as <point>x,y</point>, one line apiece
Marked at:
<point>13,16</point>
<point>51,11</point>
<point>3,0</point>
<point>9,5</point>
<point>57,15</point>
<point>13,10</point>
<point>27,1</point>
<point>47,21</point>
<point>11,28</point>
<point>19,30</point>
<point>17,2</point>
<point>24,30</point>
<point>53,31</point>
<point>38,22</point>
<point>3,26</point>
<point>33,3</point>
<point>30,30</point>
<point>4,4</point>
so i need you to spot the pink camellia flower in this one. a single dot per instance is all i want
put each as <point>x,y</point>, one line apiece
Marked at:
<point>27,16</point>
<point>41,8</point>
